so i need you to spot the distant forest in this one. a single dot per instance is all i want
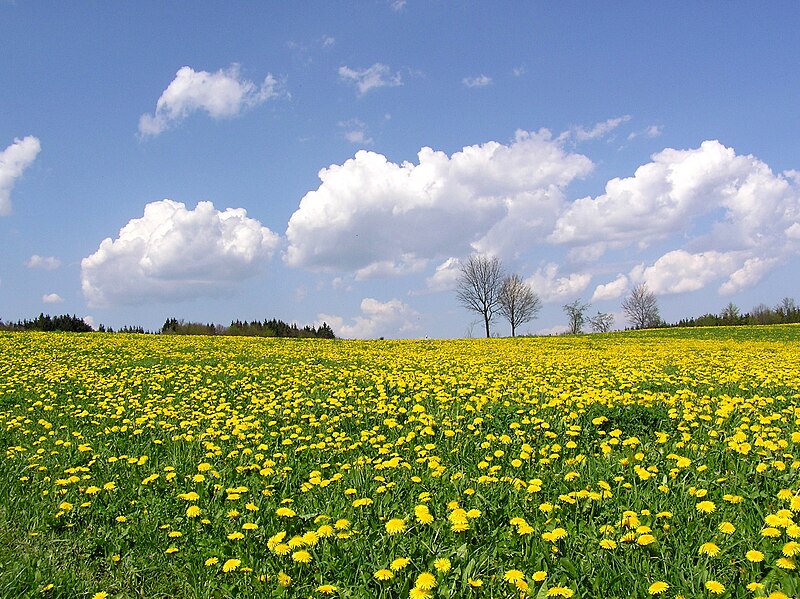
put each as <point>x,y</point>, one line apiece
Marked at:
<point>173,326</point>
<point>786,312</point>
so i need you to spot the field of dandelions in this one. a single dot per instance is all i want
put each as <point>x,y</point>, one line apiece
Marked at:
<point>639,464</point>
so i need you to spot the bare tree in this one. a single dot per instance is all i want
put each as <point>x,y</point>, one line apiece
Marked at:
<point>517,302</point>
<point>641,308</point>
<point>479,286</point>
<point>763,314</point>
<point>601,322</point>
<point>576,313</point>
<point>786,308</point>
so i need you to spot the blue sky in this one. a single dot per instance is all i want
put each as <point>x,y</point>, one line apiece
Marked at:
<point>335,161</point>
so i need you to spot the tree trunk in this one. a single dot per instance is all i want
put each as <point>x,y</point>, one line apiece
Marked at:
<point>486,322</point>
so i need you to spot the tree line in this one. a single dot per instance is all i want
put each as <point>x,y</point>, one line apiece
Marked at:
<point>484,288</point>
<point>45,322</point>
<point>173,326</point>
<point>254,328</point>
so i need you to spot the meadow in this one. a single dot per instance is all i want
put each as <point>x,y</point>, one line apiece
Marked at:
<point>638,464</point>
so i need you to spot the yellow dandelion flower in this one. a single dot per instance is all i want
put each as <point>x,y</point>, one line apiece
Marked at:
<point>706,507</point>
<point>754,556</point>
<point>565,592</point>
<point>513,576</point>
<point>442,564</point>
<point>657,587</point>
<point>100,595</point>
<point>645,540</point>
<point>709,549</point>
<point>399,563</point>
<point>383,574</point>
<point>524,529</point>
<point>342,524</point>
<point>425,581</point>
<point>791,548</point>
<point>171,550</point>
<point>231,565</point>
<point>539,576</point>
<point>417,593</point>
<point>474,582</point>
<point>326,589</point>
<point>608,544</point>
<point>235,536</point>
<point>302,556</point>
<point>285,512</point>
<point>249,526</point>
<point>193,511</point>
<point>275,539</point>
<point>727,528</point>
<point>786,563</point>
<point>284,579</point>
<point>211,561</point>
<point>715,587</point>
<point>395,526</point>
<point>459,526</point>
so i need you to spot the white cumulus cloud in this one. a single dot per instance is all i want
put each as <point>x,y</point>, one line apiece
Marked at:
<point>172,253</point>
<point>551,286</point>
<point>378,75</point>
<point>751,272</point>
<point>445,277</point>
<point>377,319</point>
<point>52,298</point>
<point>43,262</point>
<point>493,197</point>
<point>677,188</point>
<point>223,94</point>
<point>13,162</point>
<point>612,290</point>
<point>679,271</point>
<point>718,210</point>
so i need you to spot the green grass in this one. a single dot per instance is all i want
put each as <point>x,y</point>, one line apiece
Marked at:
<point>525,428</point>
